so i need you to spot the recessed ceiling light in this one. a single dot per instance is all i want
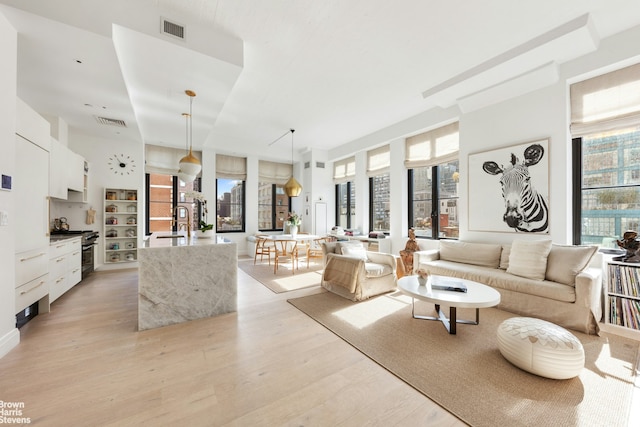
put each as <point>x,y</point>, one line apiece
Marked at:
<point>78,61</point>
<point>88,105</point>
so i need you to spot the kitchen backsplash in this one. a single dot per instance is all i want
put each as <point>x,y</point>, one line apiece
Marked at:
<point>76,214</point>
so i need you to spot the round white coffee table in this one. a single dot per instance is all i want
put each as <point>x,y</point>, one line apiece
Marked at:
<point>477,296</point>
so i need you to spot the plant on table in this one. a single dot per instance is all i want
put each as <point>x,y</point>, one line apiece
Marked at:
<point>203,225</point>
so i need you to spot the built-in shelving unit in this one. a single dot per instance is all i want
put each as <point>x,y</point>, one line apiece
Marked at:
<point>120,225</point>
<point>622,299</point>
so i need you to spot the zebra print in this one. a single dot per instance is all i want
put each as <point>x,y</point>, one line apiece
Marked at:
<point>526,209</point>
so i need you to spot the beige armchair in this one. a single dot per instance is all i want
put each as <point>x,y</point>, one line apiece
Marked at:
<point>355,273</point>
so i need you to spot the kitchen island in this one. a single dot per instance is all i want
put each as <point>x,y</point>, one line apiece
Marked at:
<point>185,278</point>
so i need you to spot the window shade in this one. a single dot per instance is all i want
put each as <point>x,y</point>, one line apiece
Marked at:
<point>344,170</point>
<point>606,102</point>
<point>231,167</point>
<point>379,161</point>
<point>164,160</point>
<point>434,147</point>
<point>274,173</point>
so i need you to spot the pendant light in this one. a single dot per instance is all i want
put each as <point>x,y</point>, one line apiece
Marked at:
<point>292,188</point>
<point>184,177</point>
<point>189,165</point>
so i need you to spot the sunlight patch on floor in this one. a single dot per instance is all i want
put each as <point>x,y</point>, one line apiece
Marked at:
<point>363,315</point>
<point>299,280</point>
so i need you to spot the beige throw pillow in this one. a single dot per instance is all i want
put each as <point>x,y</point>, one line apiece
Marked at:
<point>355,251</point>
<point>529,258</point>
<point>484,254</point>
<point>504,257</point>
<point>566,261</point>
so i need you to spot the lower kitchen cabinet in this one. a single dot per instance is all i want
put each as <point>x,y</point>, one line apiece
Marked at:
<point>65,266</point>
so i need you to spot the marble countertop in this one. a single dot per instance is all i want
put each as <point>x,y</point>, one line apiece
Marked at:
<point>179,239</point>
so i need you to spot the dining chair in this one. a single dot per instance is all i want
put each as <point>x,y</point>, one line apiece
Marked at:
<point>314,249</point>
<point>263,247</point>
<point>286,249</point>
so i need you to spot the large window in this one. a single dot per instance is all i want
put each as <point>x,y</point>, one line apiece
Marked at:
<point>165,193</point>
<point>378,164</point>
<point>229,205</point>
<point>231,173</point>
<point>344,172</point>
<point>433,174</point>
<point>605,123</point>
<point>433,200</point>
<point>609,185</point>
<point>345,204</point>
<point>273,206</point>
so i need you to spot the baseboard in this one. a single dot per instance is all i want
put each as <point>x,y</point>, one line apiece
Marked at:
<point>9,341</point>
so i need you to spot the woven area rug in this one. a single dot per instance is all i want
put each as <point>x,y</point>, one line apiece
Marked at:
<point>467,375</point>
<point>283,280</point>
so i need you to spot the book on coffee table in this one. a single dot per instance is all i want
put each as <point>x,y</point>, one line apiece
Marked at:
<point>447,285</point>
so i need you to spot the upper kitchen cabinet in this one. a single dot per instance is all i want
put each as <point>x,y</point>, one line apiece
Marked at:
<point>32,126</point>
<point>66,173</point>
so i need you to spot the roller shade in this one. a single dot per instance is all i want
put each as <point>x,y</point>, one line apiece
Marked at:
<point>164,160</point>
<point>379,161</point>
<point>274,173</point>
<point>344,170</point>
<point>231,167</point>
<point>607,102</point>
<point>434,147</point>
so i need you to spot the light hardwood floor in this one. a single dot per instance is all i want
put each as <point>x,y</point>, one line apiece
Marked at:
<point>85,364</point>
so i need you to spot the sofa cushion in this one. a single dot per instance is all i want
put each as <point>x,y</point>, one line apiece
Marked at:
<point>566,261</point>
<point>374,269</point>
<point>529,258</point>
<point>349,243</point>
<point>484,254</point>
<point>355,251</point>
<point>500,279</point>
<point>504,257</point>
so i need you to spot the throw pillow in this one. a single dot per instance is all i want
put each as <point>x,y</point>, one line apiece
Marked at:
<point>350,243</point>
<point>504,257</point>
<point>529,258</point>
<point>484,254</point>
<point>566,261</point>
<point>354,251</point>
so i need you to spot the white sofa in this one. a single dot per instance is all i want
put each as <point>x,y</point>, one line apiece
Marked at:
<point>355,273</point>
<point>558,283</point>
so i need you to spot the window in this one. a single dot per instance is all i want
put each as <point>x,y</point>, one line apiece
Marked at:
<point>378,164</point>
<point>343,173</point>
<point>273,206</point>
<point>345,204</point>
<point>433,174</point>
<point>231,173</point>
<point>164,194</point>
<point>605,123</point>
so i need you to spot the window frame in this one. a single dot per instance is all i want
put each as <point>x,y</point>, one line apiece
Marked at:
<point>371,197</point>
<point>274,205</point>
<point>242,205</point>
<point>349,186</point>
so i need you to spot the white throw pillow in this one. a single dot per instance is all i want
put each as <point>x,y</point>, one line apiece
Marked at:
<point>529,258</point>
<point>566,261</point>
<point>354,251</point>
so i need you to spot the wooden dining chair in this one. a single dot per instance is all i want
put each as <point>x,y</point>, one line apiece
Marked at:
<point>264,246</point>
<point>315,249</point>
<point>286,249</point>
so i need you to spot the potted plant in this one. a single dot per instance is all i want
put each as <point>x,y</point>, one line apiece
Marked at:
<point>205,229</point>
<point>293,220</point>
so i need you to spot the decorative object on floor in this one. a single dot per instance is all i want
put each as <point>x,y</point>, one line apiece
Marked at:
<point>541,347</point>
<point>189,165</point>
<point>409,249</point>
<point>469,377</point>
<point>522,203</point>
<point>282,280</point>
<point>631,244</point>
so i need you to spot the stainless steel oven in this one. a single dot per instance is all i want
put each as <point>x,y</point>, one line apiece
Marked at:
<point>89,239</point>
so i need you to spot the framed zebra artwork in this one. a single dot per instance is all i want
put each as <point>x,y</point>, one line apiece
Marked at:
<point>509,189</point>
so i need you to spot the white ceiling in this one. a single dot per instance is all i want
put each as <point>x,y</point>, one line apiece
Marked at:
<point>334,70</point>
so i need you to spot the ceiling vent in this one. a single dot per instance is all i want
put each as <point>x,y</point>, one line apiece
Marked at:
<point>320,165</point>
<point>110,122</point>
<point>172,29</point>
<point>307,165</point>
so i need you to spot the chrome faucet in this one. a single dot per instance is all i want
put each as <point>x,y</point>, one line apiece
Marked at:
<point>174,212</point>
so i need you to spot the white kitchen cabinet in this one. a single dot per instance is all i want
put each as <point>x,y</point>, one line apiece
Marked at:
<point>67,173</point>
<point>120,225</point>
<point>30,191</point>
<point>65,266</point>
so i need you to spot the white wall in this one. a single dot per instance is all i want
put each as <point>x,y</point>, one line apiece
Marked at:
<point>9,335</point>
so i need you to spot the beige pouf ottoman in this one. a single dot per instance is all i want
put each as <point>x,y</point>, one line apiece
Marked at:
<point>540,347</point>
